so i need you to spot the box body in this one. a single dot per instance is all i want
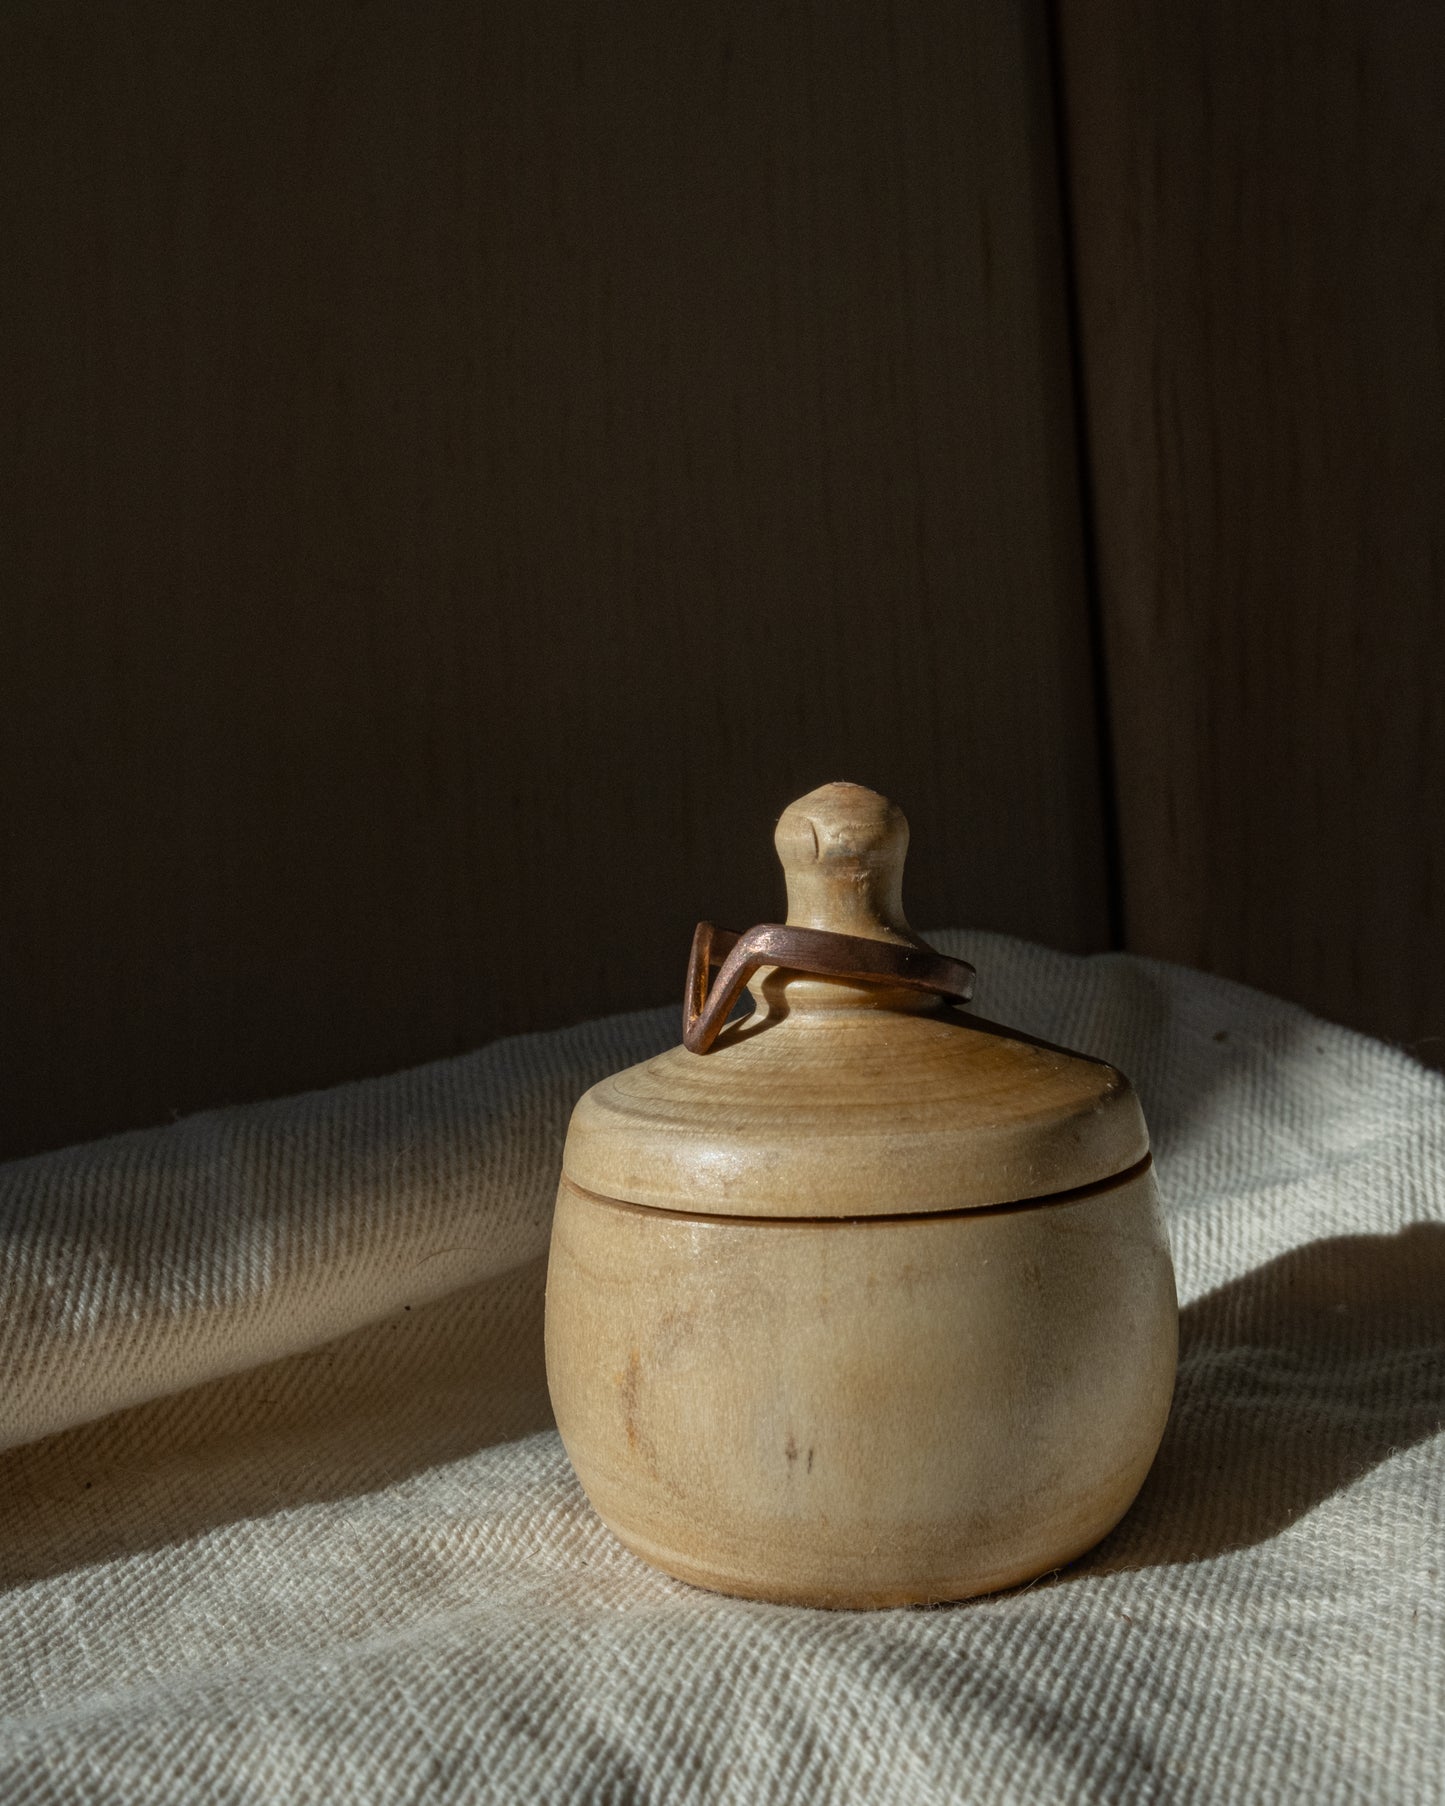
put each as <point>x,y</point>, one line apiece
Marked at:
<point>863,1412</point>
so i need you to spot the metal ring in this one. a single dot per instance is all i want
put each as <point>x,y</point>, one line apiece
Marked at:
<point>816,951</point>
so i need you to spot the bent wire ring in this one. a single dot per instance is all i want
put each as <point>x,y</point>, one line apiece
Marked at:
<point>817,951</point>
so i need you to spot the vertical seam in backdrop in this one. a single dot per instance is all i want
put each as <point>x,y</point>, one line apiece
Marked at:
<point>1083,464</point>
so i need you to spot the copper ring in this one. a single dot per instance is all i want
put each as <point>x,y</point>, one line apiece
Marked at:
<point>816,951</point>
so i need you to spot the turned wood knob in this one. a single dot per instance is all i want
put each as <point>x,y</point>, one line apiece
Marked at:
<point>842,849</point>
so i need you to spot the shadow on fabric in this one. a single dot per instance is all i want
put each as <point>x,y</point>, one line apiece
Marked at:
<point>426,1386</point>
<point>1294,1381</point>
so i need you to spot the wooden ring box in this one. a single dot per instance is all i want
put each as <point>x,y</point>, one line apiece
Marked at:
<point>871,1304</point>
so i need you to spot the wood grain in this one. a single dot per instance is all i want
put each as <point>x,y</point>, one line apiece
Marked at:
<point>870,1413</point>
<point>466,470</point>
<point>1260,242</point>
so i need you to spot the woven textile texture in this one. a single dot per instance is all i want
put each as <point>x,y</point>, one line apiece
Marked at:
<point>282,1516</point>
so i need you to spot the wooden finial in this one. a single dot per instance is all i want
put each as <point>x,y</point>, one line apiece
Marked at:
<point>842,849</point>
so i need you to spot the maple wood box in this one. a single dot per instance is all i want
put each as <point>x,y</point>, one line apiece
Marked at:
<point>871,1303</point>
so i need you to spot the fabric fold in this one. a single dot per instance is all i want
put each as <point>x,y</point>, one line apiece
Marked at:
<point>149,1262</point>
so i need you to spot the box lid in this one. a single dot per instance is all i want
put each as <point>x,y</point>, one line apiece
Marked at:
<point>838,1098</point>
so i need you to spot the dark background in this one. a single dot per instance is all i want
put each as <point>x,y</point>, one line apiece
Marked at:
<point>467,466</point>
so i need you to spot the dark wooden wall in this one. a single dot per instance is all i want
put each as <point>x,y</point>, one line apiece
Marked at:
<point>1258,202</point>
<point>465,469</point>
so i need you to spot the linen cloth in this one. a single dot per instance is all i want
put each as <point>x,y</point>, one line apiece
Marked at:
<point>283,1516</point>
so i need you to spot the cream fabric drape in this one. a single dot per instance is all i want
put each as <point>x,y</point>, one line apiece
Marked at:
<point>282,1515</point>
